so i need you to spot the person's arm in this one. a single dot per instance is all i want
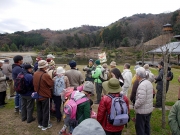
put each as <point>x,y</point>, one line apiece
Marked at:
<point>160,76</point>
<point>141,96</point>
<point>173,120</point>
<point>10,68</point>
<point>3,78</point>
<point>67,82</point>
<point>81,79</point>
<point>101,111</point>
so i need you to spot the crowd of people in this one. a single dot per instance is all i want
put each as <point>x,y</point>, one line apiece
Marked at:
<point>68,94</point>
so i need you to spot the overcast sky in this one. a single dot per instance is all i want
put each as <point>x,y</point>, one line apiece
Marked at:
<point>25,15</point>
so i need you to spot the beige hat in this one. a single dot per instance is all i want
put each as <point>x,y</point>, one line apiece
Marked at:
<point>113,63</point>
<point>112,86</point>
<point>105,65</point>
<point>60,70</point>
<point>146,66</point>
<point>51,63</point>
<point>88,86</point>
<point>42,64</point>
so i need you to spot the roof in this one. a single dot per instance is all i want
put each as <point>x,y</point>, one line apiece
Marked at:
<point>174,48</point>
<point>167,25</point>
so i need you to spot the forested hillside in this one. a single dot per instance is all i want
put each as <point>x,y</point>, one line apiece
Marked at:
<point>125,32</point>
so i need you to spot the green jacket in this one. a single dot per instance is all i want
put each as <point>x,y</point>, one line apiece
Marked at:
<point>83,111</point>
<point>174,118</point>
<point>97,73</point>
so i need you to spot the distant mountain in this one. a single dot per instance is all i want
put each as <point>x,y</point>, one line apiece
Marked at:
<point>127,31</point>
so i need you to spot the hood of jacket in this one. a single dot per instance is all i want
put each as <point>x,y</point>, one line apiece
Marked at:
<point>78,95</point>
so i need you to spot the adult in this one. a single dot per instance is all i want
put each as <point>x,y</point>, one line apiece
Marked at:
<point>51,70</point>
<point>74,76</point>
<point>3,86</point>
<point>112,87</point>
<point>174,116</point>
<point>89,68</point>
<point>98,83</point>
<point>27,102</point>
<point>89,127</point>
<point>144,103</point>
<point>169,78</point>
<point>36,64</point>
<point>60,83</point>
<point>127,75</point>
<point>52,57</point>
<point>113,64</point>
<point>159,86</point>
<point>7,70</point>
<point>43,86</point>
<point>16,69</point>
<point>116,73</point>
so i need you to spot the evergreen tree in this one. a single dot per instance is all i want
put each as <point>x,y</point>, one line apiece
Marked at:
<point>13,47</point>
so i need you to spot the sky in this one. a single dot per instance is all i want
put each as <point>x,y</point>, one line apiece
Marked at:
<point>26,15</point>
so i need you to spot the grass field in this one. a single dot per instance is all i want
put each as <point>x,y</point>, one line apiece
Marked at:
<point>10,122</point>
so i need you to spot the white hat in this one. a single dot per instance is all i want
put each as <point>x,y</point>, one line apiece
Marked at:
<point>42,64</point>
<point>1,61</point>
<point>60,70</point>
<point>50,56</point>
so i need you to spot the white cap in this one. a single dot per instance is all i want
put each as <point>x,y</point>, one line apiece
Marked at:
<point>50,56</point>
<point>1,61</point>
<point>60,70</point>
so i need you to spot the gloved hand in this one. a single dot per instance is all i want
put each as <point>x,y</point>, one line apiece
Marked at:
<point>7,78</point>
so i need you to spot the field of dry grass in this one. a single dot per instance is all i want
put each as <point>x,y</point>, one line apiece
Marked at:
<point>11,124</point>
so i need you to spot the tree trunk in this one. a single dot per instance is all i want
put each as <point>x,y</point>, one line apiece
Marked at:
<point>165,59</point>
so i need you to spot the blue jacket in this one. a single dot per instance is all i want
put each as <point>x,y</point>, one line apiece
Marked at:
<point>29,83</point>
<point>35,67</point>
<point>16,69</point>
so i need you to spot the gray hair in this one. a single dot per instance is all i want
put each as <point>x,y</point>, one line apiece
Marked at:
<point>141,72</point>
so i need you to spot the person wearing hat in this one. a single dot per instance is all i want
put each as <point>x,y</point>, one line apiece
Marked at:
<point>7,70</point>
<point>27,102</point>
<point>144,103</point>
<point>112,87</point>
<point>98,83</point>
<point>159,86</point>
<point>43,85</point>
<point>83,109</point>
<point>89,127</point>
<point>113,64</point>
<point>51,70</point>
<point>51,57</point>
<point>127,75</point>
<point>75,77</point>
<point>89,68</point>
<point>61,82</point>
<point>16,69</point>
<point>3,85</point>
<point>36,64</point>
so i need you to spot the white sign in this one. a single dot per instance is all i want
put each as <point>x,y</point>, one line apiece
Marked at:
<point>102,57</point>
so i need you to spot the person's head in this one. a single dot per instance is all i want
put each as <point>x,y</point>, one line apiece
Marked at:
<point>117,73</point>
<point>18,59</point>
<point>38,59</point>
<point>105,66</point>
<point>141,74</point>
<point>72,64</point>
<point>112,86</point>
<point>60,71</point>
<point>97,62</point>
<point>160,64</point>
<point>127,66</point>
<point>88,88</point>
<point>113,64</point>
<point>169,68</point>
<point>136,67</point>
<point>50,56</point>
<point>6,61</point>
<point>42,65</point>
<point>91,62</point>
<point>1,63</point>
<point>146,66</point>
<point>28,68</point>
<point>89,126</point>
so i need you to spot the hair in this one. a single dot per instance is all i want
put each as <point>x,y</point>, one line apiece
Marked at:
<point>117,73</point>
<point>17,58</point>
<point>127,65</point>
<point>141,72</point>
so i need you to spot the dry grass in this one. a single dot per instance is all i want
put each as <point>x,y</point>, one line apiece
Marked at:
<point>10,123</point>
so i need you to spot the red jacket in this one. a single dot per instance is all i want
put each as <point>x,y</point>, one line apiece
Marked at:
<point>104,109</point>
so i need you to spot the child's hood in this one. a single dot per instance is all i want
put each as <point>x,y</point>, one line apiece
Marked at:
<point>78,95</point>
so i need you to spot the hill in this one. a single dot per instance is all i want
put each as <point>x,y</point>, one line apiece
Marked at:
<point>127,31</point>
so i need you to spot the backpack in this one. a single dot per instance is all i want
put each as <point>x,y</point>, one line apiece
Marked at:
<point>59,85</point>
<point>119,111</point>
<point>104,75</point>
<point>70,109</point>
<point>19,84</point>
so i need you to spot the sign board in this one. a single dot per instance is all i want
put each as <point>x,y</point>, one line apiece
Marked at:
<point>102,57</point>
